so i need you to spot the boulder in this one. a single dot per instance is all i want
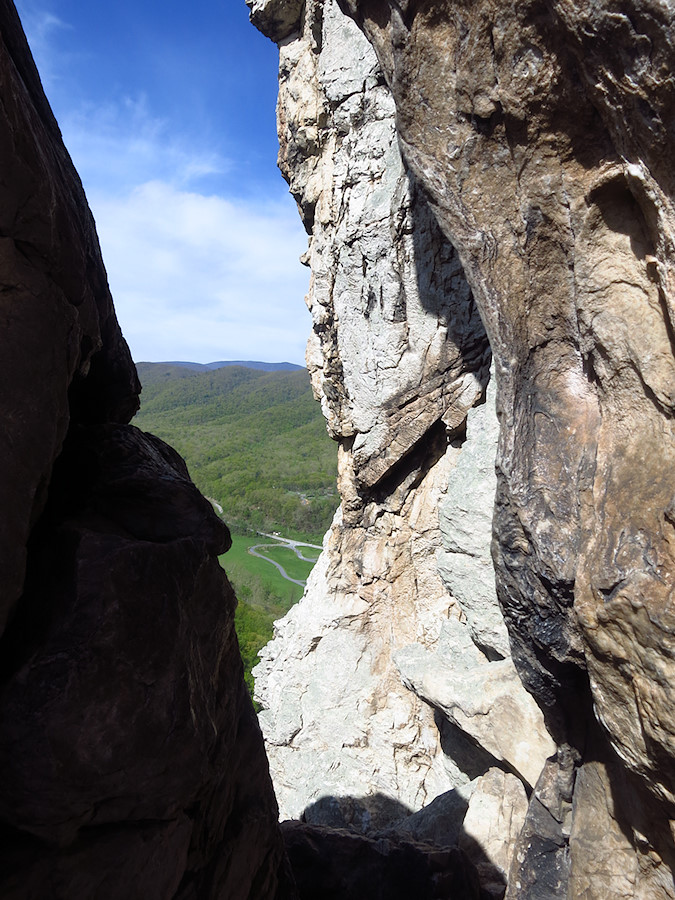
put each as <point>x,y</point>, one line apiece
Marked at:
<point>484,699</point>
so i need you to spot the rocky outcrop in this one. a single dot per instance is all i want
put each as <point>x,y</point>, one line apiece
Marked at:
<point>131,763</point>
<point>542,135</point>
<point>361,723</point>
<point>392,351</point>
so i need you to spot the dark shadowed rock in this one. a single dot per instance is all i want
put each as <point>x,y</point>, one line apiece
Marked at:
<point>131,762</point>
<point>332,864</point>
<point>63,355</point>
<point>127,738</point>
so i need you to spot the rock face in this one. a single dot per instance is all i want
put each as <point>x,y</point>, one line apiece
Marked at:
<point>393,351</point>
<point>131,763</point>
<point>338,865</point>
<point>542,134</point>
<point>362,726</point>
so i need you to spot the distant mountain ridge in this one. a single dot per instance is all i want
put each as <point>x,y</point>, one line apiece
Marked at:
<point>246,364</point>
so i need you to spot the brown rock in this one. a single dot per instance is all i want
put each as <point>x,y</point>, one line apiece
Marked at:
<point>543,135</point>
<point>611,857</point>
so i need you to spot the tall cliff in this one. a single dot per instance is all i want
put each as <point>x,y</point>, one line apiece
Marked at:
<point>534,185</point>
<point>391,682</point>
<point>131,763</point>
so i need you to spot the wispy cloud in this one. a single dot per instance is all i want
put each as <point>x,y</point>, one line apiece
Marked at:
<point>42,26</point>
<point>196,271</point>
<point>203,277</point>
<point>121,144</point>
<point>194,274</point>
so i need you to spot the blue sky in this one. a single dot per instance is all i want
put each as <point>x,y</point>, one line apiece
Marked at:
<point>168,111</point>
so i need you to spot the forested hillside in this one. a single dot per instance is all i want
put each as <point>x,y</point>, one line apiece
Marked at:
<point>254,441</point>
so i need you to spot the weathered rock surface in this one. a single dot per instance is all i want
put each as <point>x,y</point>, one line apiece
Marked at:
<point>131,762</point>
<point>465,517</point>
<point>491,827</point>
<point>337,719</point>
<point>542,134</point>
<point>396,342</point>
<point>485,700</point>
<point>396,348</point>
<point>398,359</point>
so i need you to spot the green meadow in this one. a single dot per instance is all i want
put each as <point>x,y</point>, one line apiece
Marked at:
<point>294,567</point>
<point>264,594</point>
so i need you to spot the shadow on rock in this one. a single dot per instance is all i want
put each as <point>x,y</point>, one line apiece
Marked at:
<point>360,814</point>
<point>336,864</point>
<point>373,847</point>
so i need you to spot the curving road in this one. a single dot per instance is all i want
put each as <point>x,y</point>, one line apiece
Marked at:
<point>284,574</point>
<point>283,542</point>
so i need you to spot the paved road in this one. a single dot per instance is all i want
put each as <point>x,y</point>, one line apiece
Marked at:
<point>283,542</point>
<point>254,552</point>
<point>293,545</point>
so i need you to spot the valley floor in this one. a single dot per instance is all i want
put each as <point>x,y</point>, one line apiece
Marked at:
<point>286,545</point>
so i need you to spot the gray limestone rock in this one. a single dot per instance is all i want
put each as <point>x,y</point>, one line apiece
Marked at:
<point>396,342</point>
<point>465,562</point>
<point>484,699</point>
<point>398,359</point>
<point>397,356</point>
<point>491,827</point>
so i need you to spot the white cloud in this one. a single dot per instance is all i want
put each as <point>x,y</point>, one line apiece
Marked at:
<point>196,273</point>
<point>202,277</point>
<point>121,144</point>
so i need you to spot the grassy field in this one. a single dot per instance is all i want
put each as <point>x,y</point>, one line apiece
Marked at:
<point>256,581</point>
<point>263,594</point>
<point>287,559</point>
